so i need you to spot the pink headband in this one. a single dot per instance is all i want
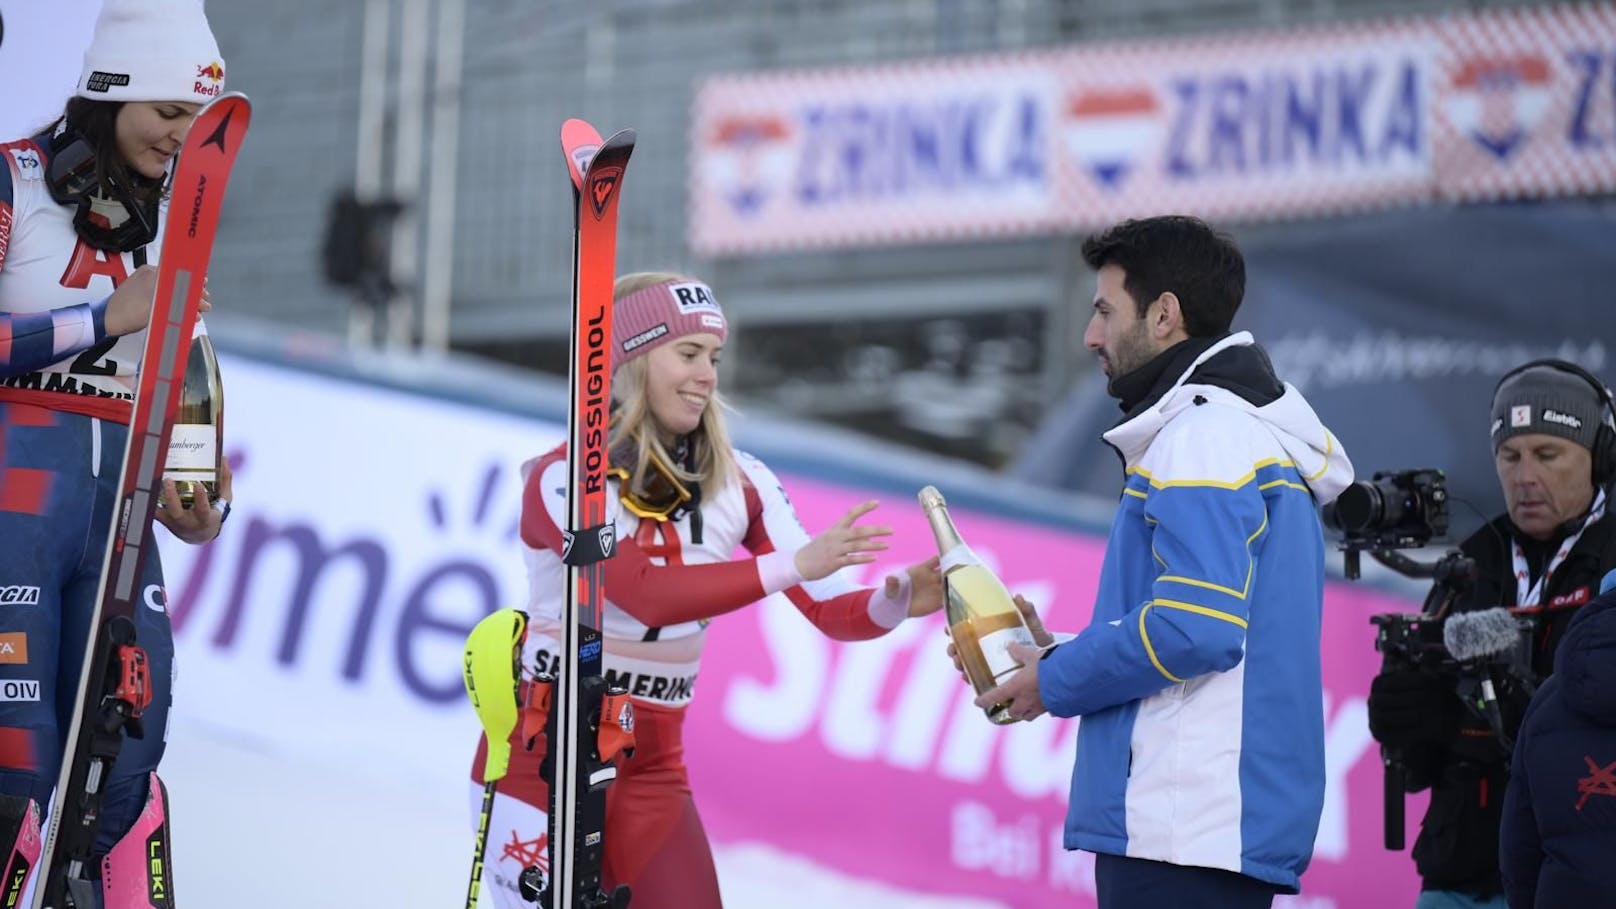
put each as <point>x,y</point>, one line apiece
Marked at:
<point>655,315</point>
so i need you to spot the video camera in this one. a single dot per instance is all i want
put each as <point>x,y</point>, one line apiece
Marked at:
<point>1405,509</point>
<point>1397,509</point>
<point>1476,651</point>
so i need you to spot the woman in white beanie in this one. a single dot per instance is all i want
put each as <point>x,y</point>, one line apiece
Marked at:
<point>683,501</point>
<point>81,208</point>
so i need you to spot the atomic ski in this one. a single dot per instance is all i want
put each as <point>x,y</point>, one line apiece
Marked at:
<point>114,684</point>
<point>581,748</point>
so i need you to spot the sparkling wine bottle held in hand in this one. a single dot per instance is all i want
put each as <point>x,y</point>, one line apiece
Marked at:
<point>197,442</point>
<point>982,618</point>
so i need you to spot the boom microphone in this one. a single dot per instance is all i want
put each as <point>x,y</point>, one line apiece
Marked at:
<point>1472,635</point>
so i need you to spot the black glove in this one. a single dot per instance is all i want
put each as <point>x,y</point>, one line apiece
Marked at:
<point>1409,707</point>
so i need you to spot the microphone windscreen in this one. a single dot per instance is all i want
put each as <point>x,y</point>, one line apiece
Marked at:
<point>1469,635</point>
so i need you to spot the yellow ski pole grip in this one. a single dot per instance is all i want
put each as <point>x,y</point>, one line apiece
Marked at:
<point>493,672</point>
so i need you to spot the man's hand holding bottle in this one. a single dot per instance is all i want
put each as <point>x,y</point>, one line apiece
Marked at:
<point>1020,691</point>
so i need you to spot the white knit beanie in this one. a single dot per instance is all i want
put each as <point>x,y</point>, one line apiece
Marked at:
<point>152,50</point>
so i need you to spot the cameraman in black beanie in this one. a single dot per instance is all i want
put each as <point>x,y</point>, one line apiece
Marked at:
<point>1554,443</point>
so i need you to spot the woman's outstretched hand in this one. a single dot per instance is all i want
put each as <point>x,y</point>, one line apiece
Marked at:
<point>842,544</point>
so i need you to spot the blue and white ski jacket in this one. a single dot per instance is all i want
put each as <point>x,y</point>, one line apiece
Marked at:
<point>1198,680</point>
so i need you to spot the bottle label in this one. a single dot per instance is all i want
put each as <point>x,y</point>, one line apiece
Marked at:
<point>996,650</point>
<point>957,556</point>
<point>193,453</point>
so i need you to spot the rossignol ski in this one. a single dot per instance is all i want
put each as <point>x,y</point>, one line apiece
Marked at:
<point>586,724</point>
<point>115,681</point>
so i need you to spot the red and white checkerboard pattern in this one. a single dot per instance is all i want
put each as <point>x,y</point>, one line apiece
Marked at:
<point>1576,47</point>
<point>750,149</point>
<point>1289,184</point>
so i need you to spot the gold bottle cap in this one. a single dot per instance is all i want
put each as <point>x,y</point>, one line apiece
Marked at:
<point>931,498</point>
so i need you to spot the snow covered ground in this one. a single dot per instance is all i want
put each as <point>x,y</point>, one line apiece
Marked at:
<point>256,828</point>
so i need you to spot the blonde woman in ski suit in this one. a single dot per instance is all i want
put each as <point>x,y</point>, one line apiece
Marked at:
<point>683,501</point>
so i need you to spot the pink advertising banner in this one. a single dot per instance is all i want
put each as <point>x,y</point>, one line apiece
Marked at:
<point>870,758</point>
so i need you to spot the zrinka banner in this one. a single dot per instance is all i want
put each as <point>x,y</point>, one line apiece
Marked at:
<point>1265,125</point>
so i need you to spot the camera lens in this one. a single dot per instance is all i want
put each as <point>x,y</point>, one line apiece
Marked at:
<point>1370,506</point>
<point>1399,509</point>
<point>1358,508</point>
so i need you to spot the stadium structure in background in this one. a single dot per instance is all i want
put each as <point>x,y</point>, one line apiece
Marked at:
<point>943,319</point>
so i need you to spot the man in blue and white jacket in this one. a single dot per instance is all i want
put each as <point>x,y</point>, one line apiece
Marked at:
<point>1200,762</point>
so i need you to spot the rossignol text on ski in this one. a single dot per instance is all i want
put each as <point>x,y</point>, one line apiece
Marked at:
<point>586,725</point>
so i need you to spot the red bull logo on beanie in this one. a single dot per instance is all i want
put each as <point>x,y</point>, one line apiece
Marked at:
<point>209,79</point>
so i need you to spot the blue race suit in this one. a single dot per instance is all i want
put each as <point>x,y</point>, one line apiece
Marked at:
<point>65,397</point>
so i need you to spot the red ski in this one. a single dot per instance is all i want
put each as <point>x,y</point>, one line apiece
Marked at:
<point>587,725</point>
<point>115,683</point>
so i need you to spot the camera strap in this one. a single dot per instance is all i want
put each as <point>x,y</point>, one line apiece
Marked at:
<point>1529,594</point>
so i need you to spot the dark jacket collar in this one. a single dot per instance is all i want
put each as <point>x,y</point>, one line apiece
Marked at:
<point>1243,369</point>
<point>1137,390</point>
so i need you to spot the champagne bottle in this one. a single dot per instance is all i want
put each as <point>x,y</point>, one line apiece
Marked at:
<point>982,618</point>
<point>197,443</point>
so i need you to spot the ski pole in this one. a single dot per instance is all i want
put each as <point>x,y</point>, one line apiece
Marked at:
<point>493,673</point>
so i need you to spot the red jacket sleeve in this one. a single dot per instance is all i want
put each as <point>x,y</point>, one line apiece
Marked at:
<point>655,595</point>
<point>835,605</point>
<point>659,595</point>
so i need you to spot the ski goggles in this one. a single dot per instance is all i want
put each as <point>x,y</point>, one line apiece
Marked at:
<point>664,498</point>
